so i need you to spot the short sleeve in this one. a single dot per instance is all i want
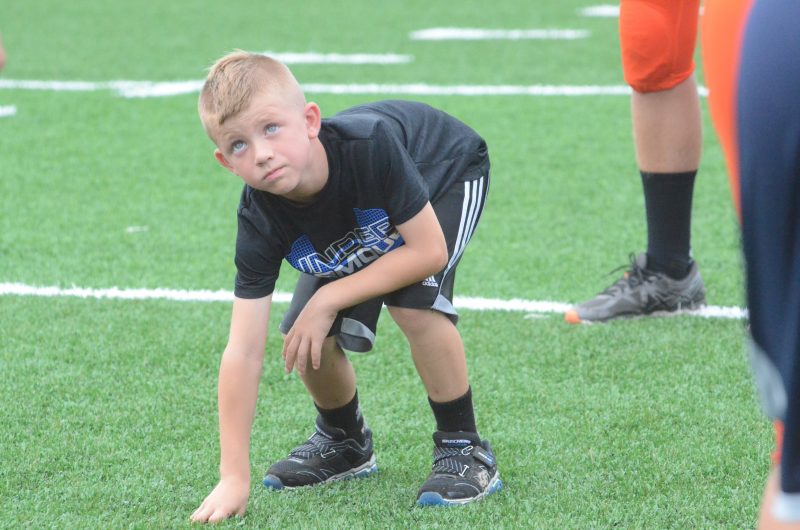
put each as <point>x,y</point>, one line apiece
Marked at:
<point>257,259</point>
<point>403,184</point>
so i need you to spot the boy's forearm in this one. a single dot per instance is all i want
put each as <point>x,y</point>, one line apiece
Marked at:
<point>423,254</point>
<point>239,376</point>
<point>395,270</point>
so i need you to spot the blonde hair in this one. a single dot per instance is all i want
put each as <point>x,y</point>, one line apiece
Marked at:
<point>238,76</point>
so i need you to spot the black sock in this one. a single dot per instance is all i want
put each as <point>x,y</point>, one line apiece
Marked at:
<point>668,205</point>
<point>456,415</point>
<point>347,417</point>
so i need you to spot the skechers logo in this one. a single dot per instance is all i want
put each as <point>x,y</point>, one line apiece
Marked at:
<point>457,442</point>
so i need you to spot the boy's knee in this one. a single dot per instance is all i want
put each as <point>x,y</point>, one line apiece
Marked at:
<point>330,346</point>
<point>410,320</point>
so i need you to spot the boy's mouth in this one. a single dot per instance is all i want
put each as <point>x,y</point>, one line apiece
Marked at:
<point>273,174</point>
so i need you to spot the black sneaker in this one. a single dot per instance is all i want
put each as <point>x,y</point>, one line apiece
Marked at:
<point>328,455</point>
<point>642,292</point>
<point>464,470</point>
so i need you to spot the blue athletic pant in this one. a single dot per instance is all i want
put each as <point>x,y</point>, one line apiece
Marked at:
<point>768,116</point>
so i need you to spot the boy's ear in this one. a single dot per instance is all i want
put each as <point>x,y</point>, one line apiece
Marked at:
<point>222,160</point>
<point>313,119</point>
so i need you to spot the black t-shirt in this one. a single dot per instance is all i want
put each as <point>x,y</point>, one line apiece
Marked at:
<point>386,160</point>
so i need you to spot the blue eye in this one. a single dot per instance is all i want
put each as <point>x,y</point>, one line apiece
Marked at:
<point>238,146</point>
<point>271,128</point>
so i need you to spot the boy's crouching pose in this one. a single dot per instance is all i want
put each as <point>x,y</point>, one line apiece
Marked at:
<point>374,206</point>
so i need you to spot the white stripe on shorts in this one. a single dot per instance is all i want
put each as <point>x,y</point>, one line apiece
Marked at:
<point>470,210</point>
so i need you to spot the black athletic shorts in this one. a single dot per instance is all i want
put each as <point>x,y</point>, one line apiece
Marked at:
<point>458,212</point>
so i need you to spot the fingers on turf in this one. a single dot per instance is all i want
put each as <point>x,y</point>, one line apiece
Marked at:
<point>200,515</point>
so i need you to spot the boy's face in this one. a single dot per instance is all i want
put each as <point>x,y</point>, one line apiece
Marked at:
<point>268,145</point>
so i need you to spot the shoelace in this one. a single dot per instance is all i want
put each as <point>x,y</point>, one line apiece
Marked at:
<point>447,459</point>
<point>317,444</point>
<point>634,276</point>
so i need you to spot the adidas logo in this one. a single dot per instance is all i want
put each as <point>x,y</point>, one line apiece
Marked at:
<point>430,282</point>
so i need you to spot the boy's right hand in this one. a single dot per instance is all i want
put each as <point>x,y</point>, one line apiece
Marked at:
<point>227,499</point>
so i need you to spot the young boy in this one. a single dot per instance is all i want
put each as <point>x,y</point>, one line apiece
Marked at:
<point>374,206</point>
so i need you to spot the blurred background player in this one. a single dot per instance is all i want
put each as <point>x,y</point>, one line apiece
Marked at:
<point>2,54</point>
<point>754,82</point>
<point>657,39</point>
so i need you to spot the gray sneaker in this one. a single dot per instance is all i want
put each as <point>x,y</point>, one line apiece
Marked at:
<point>641,292</point>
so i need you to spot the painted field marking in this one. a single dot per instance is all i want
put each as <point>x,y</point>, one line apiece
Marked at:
<point>422,89</point>
<point>149,89</point>
<point>600,11</point>
<point>339,58</point>
<point>143,89</point>
<point>178,295</point>
<point>497,34</point>
<point>7,111</point>
<point>610,11</point>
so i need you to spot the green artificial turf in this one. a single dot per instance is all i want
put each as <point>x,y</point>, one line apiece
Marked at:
<point>109,406</point>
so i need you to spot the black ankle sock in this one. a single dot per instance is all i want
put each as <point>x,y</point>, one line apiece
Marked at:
<point>668,205</point>
<point>347,417</point>
<point>456,415</point>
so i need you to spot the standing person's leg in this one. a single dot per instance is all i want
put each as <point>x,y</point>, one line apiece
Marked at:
<point>657,38</point>
<point>769,162</point>
<point>665,110</point>
<point>668,139</point>
<point>666,128</point>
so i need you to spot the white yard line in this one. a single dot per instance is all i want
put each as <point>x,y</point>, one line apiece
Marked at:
<point>143,89</point>
<point>497,34</point>
<point>178,295</point>
<point>422,89</point>
<point>602,11</point>
<point>7,110</point>
<point>339,58</point>
<point>609,11</point>
<point>123,88</point>
<point>149,89</point>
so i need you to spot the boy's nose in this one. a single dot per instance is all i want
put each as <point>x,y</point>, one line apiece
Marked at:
<point>263,152</point>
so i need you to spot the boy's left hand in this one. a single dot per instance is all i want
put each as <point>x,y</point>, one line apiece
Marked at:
<point>309,331</point>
